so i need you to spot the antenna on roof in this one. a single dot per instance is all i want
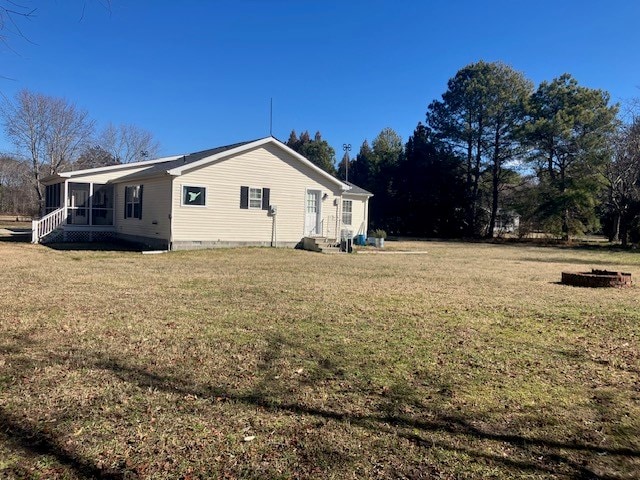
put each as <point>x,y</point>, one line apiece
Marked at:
<point>271,119</point>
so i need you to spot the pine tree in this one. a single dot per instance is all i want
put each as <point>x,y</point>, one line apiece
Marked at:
<point>569,134</point>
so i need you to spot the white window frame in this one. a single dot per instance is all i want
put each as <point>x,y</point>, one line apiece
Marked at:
<point>185,185</point>
<point>350,212</point>
<point>259,207</point>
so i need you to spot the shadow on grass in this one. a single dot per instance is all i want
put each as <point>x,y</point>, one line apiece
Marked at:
<point>548,453</point>
<point>36,441</point>
<point>576,261</point>
<point>114,246</point>
<point>14,234</point>
<point>424,427</point>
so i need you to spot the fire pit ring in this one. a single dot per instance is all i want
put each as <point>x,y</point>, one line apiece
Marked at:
<point>597,279</point>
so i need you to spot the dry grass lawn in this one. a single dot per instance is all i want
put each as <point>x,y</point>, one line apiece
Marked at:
<point>467,361</point>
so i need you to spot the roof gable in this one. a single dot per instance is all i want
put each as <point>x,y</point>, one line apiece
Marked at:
<point>176,165</point>
<point>206,157</point>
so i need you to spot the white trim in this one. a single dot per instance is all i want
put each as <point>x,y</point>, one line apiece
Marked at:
<point>318,211</point>
<point>172,203</point>
<point>258,143</point>
<point>182,204</point>
<point>350,212</point>
<point>249,207</point>
<point>122,166</point>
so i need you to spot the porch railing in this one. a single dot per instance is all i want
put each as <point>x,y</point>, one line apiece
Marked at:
<point>47,224</point>
<point>330,227</point>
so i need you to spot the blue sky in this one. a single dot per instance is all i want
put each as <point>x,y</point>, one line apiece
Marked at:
<point>200,74</point>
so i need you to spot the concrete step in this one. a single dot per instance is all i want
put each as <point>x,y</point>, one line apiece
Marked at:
<point>330,250</point>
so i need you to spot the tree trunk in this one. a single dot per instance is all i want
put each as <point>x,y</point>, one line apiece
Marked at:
<point>565,225</point>
<point>615,234</point>
<point>495,183</point>
<point>476,180</point>
<point>469,186</point>
<point>624,234</point>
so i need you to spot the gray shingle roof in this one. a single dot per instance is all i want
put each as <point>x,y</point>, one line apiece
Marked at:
<point>161,168</point>
<point>356,190</point>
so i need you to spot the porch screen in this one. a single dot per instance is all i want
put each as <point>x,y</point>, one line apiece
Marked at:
<point>102,205</point>
<point>53,197</point>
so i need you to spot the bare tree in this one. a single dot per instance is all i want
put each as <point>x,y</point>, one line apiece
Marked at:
<point>128,143</point>
<point>623,180</point>
<point>15,195</point>
<point>10,14</point>
<point>48,131</point>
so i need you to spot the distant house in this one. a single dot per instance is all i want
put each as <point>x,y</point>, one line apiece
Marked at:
<point>259,192</point>
<point>507,221</point>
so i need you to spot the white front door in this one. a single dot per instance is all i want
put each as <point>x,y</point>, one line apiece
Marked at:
<point>312,227</point>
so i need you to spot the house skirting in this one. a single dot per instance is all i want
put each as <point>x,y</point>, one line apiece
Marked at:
<point>197,245</point>
<point>148,242</point>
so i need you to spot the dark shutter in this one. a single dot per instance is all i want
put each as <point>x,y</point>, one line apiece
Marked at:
<point>140,211</point>
<point>126,198</point>
<point>244,197</point>
<point>265,198</point>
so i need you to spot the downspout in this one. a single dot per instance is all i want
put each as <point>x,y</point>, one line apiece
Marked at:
<point>366,217</point>
<point>66,211</point>
<point>339,217</point>
<point>171,215</point>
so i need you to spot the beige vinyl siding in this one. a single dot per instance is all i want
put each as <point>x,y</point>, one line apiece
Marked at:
<point>222,219</point>
<point>359,216</point>
<point>156,209</point>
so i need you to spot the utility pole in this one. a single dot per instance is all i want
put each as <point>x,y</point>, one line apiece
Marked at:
<point>347,148</point>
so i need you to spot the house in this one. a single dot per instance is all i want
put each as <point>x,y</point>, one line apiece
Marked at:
<point>259,192</point>
<point>507,221</point>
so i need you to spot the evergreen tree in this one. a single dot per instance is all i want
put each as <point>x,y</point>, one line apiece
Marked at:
<point>480,117</point>
<point>93,157</point>
<point>431,186</point>
<point>569,135</point>
<point>344,167</point>
<point>360,172</point>
<point>386,154</point>
<point>318,151</point>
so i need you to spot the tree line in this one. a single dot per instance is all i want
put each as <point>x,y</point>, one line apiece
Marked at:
<point>494,146</point>
<point>50,135</point>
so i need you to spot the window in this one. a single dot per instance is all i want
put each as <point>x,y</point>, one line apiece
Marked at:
<point>254,198</point>
<point>133,201</point>
<point>312,202</point>
<point>347,212</point>
<point>194,196</point>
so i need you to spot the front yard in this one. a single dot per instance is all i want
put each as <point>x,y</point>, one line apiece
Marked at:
<point>455,361</point>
